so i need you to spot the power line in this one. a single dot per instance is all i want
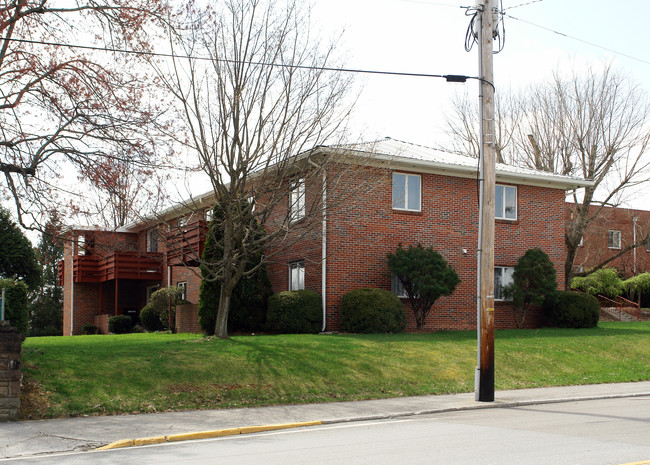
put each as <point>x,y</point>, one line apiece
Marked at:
<point>578,39</point>
<point>448,77</point>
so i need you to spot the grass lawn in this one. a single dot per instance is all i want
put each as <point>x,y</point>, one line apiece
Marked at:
<point>95,375</point>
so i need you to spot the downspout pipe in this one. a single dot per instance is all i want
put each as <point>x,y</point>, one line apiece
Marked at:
<point>323,244</point>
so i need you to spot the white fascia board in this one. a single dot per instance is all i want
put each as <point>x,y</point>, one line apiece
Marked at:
<point>511,175</point>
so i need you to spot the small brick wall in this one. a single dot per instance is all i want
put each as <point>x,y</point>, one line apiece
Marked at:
<point>187,318</point>
<point>101,321</point>
<point>10,376</point>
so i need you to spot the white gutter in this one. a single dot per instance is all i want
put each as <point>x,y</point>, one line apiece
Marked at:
<point>72,300</point>
<point>323,258</point>
<point>324,253</point>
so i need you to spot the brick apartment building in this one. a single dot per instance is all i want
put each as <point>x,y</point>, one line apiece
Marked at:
<point>377,196</point>
<point>608,234</point>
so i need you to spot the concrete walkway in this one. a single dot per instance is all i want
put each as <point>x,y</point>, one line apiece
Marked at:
<point>28,438</point>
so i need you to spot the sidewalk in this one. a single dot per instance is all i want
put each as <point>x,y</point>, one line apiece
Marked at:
<point>48,436</point>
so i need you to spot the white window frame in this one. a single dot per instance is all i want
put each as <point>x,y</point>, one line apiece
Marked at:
<point>500,190</point>
<point>501,272</point>
<point>297,276</point>
<point>614,239</point>
<point>297,200</point>
<point>183,286</point>
<point>208,215</point>
<point>181,222</point>
<point>396,287</point>
<point>81,245</point>
<point>581,243</point>
<point>152,245</point>
<point>404,198</point>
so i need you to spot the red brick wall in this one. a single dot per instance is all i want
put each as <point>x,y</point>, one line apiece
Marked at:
<point>360,236</point>
<point>187,318</point>
<point>595,247</point>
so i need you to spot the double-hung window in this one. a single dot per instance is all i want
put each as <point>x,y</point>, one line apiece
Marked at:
<point>614,239</point>
<point>502,278</point>
<point>152,240</point>
<point>296,276</point>
<point>396,286</point>
<point>407,192</point>
<point>297,200</point>
<point>183,287</point>
<point>505,202</point>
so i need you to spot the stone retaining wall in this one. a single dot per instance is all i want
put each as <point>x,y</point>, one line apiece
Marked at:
<point>10,376</point>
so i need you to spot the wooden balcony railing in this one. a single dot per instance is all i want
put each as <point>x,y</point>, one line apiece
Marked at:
<point>185,246</point>
<point>61,272</point>
<point>117,265</point>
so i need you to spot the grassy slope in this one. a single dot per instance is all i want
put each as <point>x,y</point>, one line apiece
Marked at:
<point>155,372</point>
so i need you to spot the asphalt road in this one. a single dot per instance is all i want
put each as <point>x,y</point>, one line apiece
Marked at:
<point>594,432</point>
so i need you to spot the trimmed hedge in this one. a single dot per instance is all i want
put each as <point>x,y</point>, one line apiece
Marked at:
<point>295,312</point>
<point>566,309</point>
<point>120,324</point>
<point>372,311</point>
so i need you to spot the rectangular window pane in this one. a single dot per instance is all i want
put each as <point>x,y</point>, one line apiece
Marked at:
<point>399,189</point>
<point>614,240</point>
<point>502,278</point>
<point>296,276</point>
<point>413,193</point>
<point>510,203</point>
<point>297,199</point>
<point>397,287</point>
<point>505,202</point>
<point>498,202</point>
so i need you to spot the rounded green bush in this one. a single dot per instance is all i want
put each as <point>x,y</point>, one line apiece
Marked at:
<point>295,312</point>
<point>120,324</point>
<point>566,309</point>
<point>372,311</point>
<point>151,319</point>
<point>90,328</point>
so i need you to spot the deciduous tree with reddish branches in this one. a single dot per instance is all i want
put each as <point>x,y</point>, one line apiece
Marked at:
<point>66,103</point>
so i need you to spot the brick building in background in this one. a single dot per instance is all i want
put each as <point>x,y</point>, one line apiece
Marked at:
<point>375,197</point>
<point>608,234</point>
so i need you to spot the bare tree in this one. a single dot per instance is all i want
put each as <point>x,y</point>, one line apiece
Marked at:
<point>253,111</point>
<point>65,105</point>
<point>593,125</point>
<point>121,191</point>
<point>462,127</point>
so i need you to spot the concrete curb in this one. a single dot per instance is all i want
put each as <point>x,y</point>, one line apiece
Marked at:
<point>203,435</point>
<point>380,416</point>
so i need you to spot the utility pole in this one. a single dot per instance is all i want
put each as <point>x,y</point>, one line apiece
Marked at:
<point>487,15</point>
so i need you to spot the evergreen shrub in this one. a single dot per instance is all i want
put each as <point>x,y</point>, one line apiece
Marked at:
<point>295,312</point>
<point>16,311</point>
<point>90,328</point>
<point>120,324</point>
<point>372,311</point>
<point>151,318</point>
<point>566,309</point>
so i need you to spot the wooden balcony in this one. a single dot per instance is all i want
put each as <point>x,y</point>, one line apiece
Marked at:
<point>117,265</point>
<point>185,247</point>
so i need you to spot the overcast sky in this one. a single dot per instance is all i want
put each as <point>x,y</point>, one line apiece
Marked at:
<point>427,36</point>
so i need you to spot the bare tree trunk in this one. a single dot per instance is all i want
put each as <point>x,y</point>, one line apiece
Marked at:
<point>221,325</point>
